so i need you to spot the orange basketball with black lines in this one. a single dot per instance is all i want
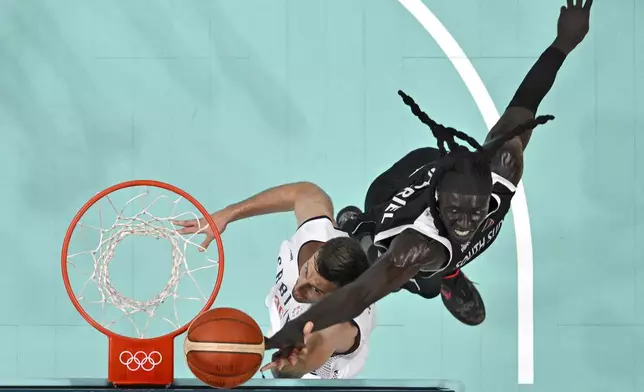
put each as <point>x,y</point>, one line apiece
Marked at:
<point>224,347</point>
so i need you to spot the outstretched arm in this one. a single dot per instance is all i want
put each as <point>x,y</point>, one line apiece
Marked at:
<point>306,199</point>
<point>408,252</point>
<point>572,27</point>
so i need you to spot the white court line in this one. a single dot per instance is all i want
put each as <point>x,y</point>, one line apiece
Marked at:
<point>520,213</point>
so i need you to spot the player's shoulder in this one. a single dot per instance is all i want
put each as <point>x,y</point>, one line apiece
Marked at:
<point>502,185</point>
<point>502,194</point>
<point>319,220</point>
<point>318,228</point>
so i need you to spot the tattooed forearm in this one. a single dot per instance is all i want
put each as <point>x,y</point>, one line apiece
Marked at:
<point>411,248</point>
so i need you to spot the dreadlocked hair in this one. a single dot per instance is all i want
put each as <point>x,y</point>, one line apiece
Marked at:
<point>458,158</point>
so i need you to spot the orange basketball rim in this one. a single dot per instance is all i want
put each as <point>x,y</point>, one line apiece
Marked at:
<point>136,360</point>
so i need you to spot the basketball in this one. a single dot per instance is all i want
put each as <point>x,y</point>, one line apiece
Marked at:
<point>224,347</point>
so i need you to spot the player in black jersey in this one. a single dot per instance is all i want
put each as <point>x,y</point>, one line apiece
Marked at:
<point>436,210</point>
<point>456,199</point>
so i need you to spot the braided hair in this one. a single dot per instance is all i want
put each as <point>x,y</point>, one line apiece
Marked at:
<point>457,158</point>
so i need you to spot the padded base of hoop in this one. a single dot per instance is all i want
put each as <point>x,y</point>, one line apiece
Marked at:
<point>140,361</point>
<point>255,385</point>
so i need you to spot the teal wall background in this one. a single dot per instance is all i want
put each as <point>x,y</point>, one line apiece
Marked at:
<point>224,98</point>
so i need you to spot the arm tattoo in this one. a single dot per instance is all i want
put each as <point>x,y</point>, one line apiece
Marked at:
<point>508,161</point>
<point>412,249</point>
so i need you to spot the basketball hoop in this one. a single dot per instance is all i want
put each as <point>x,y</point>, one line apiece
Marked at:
<point>146,356</point>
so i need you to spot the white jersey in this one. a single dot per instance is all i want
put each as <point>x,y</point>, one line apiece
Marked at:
<point>283,308</point>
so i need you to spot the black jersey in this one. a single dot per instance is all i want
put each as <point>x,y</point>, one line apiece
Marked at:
<point>409,208</point>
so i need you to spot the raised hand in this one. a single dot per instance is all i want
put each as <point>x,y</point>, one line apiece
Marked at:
<point>573,24</point>
<point>194,225</point>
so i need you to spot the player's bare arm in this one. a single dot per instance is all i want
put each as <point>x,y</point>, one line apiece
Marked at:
<point>306,199</point>
<point>408,252</point>
<point>572,27</point>
<point>320,345</point>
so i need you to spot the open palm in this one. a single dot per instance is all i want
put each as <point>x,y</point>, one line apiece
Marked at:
<point>574,22</point>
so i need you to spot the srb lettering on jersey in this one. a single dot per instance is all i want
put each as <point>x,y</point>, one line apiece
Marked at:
<point>283,295</point>
<point>400,199</point>
<point>480,245</point>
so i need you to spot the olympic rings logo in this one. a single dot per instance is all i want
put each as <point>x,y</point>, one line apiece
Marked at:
<point>140,360</point>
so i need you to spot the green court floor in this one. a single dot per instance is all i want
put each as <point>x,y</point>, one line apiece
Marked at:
<point>225,98</point>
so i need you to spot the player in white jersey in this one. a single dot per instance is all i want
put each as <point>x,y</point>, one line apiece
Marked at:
<point>285,301</point>
<point>339,351</point>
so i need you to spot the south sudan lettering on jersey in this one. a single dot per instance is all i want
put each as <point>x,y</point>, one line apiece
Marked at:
<point>409,208</point>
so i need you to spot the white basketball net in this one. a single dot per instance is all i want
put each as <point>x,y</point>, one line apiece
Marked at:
<point>140,224</point>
